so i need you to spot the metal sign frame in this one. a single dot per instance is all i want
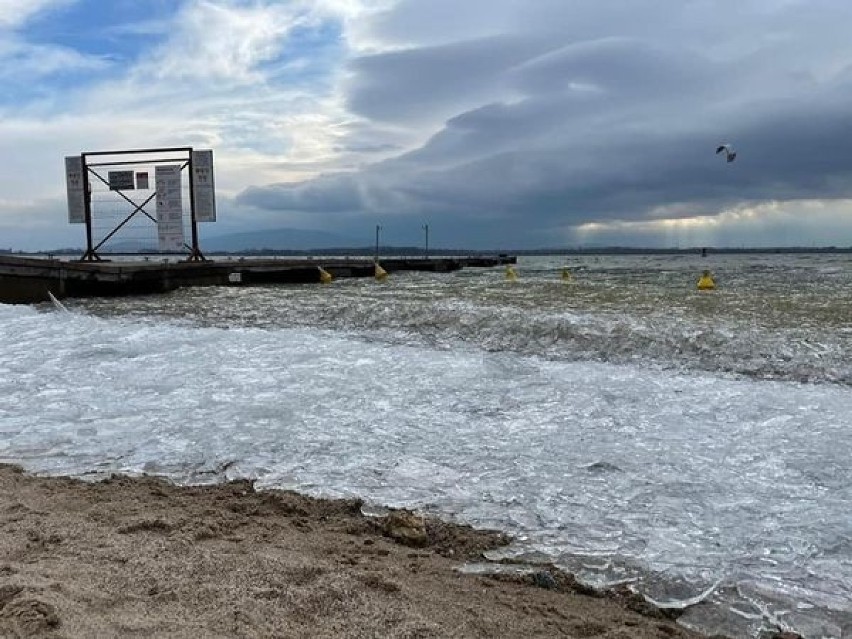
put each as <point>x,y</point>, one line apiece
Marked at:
<point>89,168</point>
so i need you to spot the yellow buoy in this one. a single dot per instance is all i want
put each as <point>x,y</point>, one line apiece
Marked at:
<point>380,273</point>
<point>325,276</point>
<point>705,282</point>
<point>510,273</point>
<point>566,275</point>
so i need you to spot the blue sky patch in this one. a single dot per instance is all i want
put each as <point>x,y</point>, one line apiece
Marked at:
<point>309,56</point>
<point>120,30</point>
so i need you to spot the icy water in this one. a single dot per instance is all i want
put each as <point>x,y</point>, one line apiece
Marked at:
<point>622,425</point>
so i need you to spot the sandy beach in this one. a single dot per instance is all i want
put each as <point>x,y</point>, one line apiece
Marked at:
<point>141,557</point>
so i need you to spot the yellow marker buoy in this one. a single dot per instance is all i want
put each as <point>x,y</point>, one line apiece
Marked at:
<point>380,273</point>
<point>510,273</point>
<point>566,275</point>
<point>325,276</point>
<point>705,282</point>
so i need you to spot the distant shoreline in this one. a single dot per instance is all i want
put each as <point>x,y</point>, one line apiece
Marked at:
<point>409,251</point>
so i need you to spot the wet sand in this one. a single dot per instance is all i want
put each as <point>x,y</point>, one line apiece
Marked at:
<point>141,557</point>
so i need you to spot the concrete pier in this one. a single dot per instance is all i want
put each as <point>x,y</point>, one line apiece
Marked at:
<point>26,280</point>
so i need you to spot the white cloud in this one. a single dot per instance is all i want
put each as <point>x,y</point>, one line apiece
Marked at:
<point>24,62</point>
<point>229,40</point>
<point>14,13</point>
<point>224,42</point>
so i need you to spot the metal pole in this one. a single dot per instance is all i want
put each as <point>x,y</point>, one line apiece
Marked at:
<point>378,228</point>
<point>195,253</point>
<point>87,208</point>
<point>426,228</point>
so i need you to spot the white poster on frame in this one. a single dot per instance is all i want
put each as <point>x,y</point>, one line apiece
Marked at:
<point>203,188</point>
<point>75,189</point>
<point>169,207</point>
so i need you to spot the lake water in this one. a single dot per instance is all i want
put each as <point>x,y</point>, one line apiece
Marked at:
<point>622,425</point>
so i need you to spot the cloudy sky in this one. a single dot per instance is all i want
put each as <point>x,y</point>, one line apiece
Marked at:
<point>499,123</point>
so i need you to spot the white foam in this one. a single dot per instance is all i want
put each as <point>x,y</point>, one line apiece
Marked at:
<point>694,476</point>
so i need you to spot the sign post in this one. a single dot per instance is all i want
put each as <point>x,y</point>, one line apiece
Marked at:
<point>168,165</point>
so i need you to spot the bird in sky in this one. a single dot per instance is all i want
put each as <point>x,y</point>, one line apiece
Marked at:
<point>730,154</point>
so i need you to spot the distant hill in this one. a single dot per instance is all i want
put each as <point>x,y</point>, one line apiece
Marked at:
<point>274,239</point>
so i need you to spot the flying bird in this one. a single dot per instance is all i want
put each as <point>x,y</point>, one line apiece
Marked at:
<point>730,154</point>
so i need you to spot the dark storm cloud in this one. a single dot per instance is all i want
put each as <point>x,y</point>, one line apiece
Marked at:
<point>335,193</point>
<point>427,83</point>
<point>615,118</point>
